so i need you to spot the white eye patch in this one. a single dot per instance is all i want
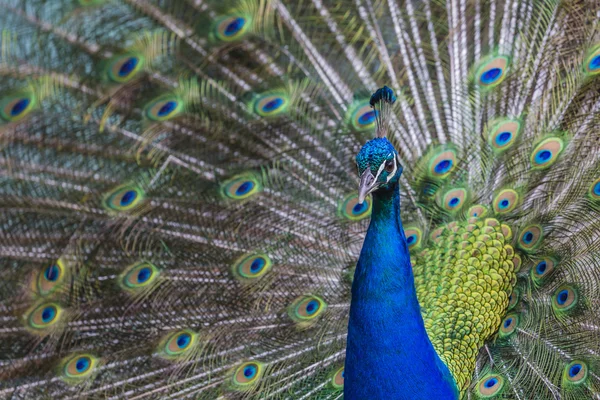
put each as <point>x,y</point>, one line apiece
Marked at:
<point>382,166</point>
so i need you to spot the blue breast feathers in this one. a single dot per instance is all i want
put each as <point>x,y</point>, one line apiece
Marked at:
<point>388,354</point>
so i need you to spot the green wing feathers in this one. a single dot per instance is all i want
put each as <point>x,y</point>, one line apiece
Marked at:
<point>178,192</point>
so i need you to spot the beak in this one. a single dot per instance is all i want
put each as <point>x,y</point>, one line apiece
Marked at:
<point>367,185</point>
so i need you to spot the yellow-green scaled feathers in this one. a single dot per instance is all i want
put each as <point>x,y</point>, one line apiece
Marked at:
<point>463,306</point>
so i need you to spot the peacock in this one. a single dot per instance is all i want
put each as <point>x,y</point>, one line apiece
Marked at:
<point>316,199</point>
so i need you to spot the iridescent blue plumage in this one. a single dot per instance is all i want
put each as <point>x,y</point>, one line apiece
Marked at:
<point>388,353</point>
<point>385,94</point>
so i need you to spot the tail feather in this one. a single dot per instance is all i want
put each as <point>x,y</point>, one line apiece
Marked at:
<point>178,186</point>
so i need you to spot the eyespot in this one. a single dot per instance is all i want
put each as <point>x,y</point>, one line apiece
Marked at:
<point>490,386</point>
<point>592,62</point>
<point>123,198</point>
<point>503,134</point>
<point>514,298</point>
<point>454,199</point>
<point>477,211</point>
<point>350,209</point>
<point>337,380</point>
<point>509,325</point>
<point>505,201</point>
<point>232,27</point>
<point>442,164</point>
<point>546,153</point>
<point>44,316</point>
<point>139,275</point>
<point>16,106</point>
<point>492,71</point>
<point>179,343</point>
<point>531,237</point>
<point>271,104</point>
<point>564,298</point>
<point>247,374</point>
<point>362,116</point>
<point>241,187</point>
<point>307,308</point>
<point>251,266</point>
<point>413,237</point>
<point>575,372</point>
<point>164,108</point>
<point>50,277</point>
<point>595,190</point>
<point>542,269</point>
<point>124,67</point>
<point>79,367</point>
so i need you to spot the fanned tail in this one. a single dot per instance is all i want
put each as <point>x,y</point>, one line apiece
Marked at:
<point>178,189</point>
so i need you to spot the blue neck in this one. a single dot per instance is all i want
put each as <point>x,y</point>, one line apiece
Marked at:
<point>388,352</point>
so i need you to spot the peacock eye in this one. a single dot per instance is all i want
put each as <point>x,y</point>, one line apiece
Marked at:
<point>389,166</point>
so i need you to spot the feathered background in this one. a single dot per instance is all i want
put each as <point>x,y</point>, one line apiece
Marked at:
<point>179,215</point>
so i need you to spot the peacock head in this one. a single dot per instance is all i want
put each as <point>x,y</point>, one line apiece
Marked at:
<point>378,162</point>
<point>378,167</point>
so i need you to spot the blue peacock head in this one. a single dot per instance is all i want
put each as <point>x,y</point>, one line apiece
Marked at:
<point>378,162</point>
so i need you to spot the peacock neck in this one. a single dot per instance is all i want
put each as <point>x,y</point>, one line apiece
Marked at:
<point>388,353</point>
